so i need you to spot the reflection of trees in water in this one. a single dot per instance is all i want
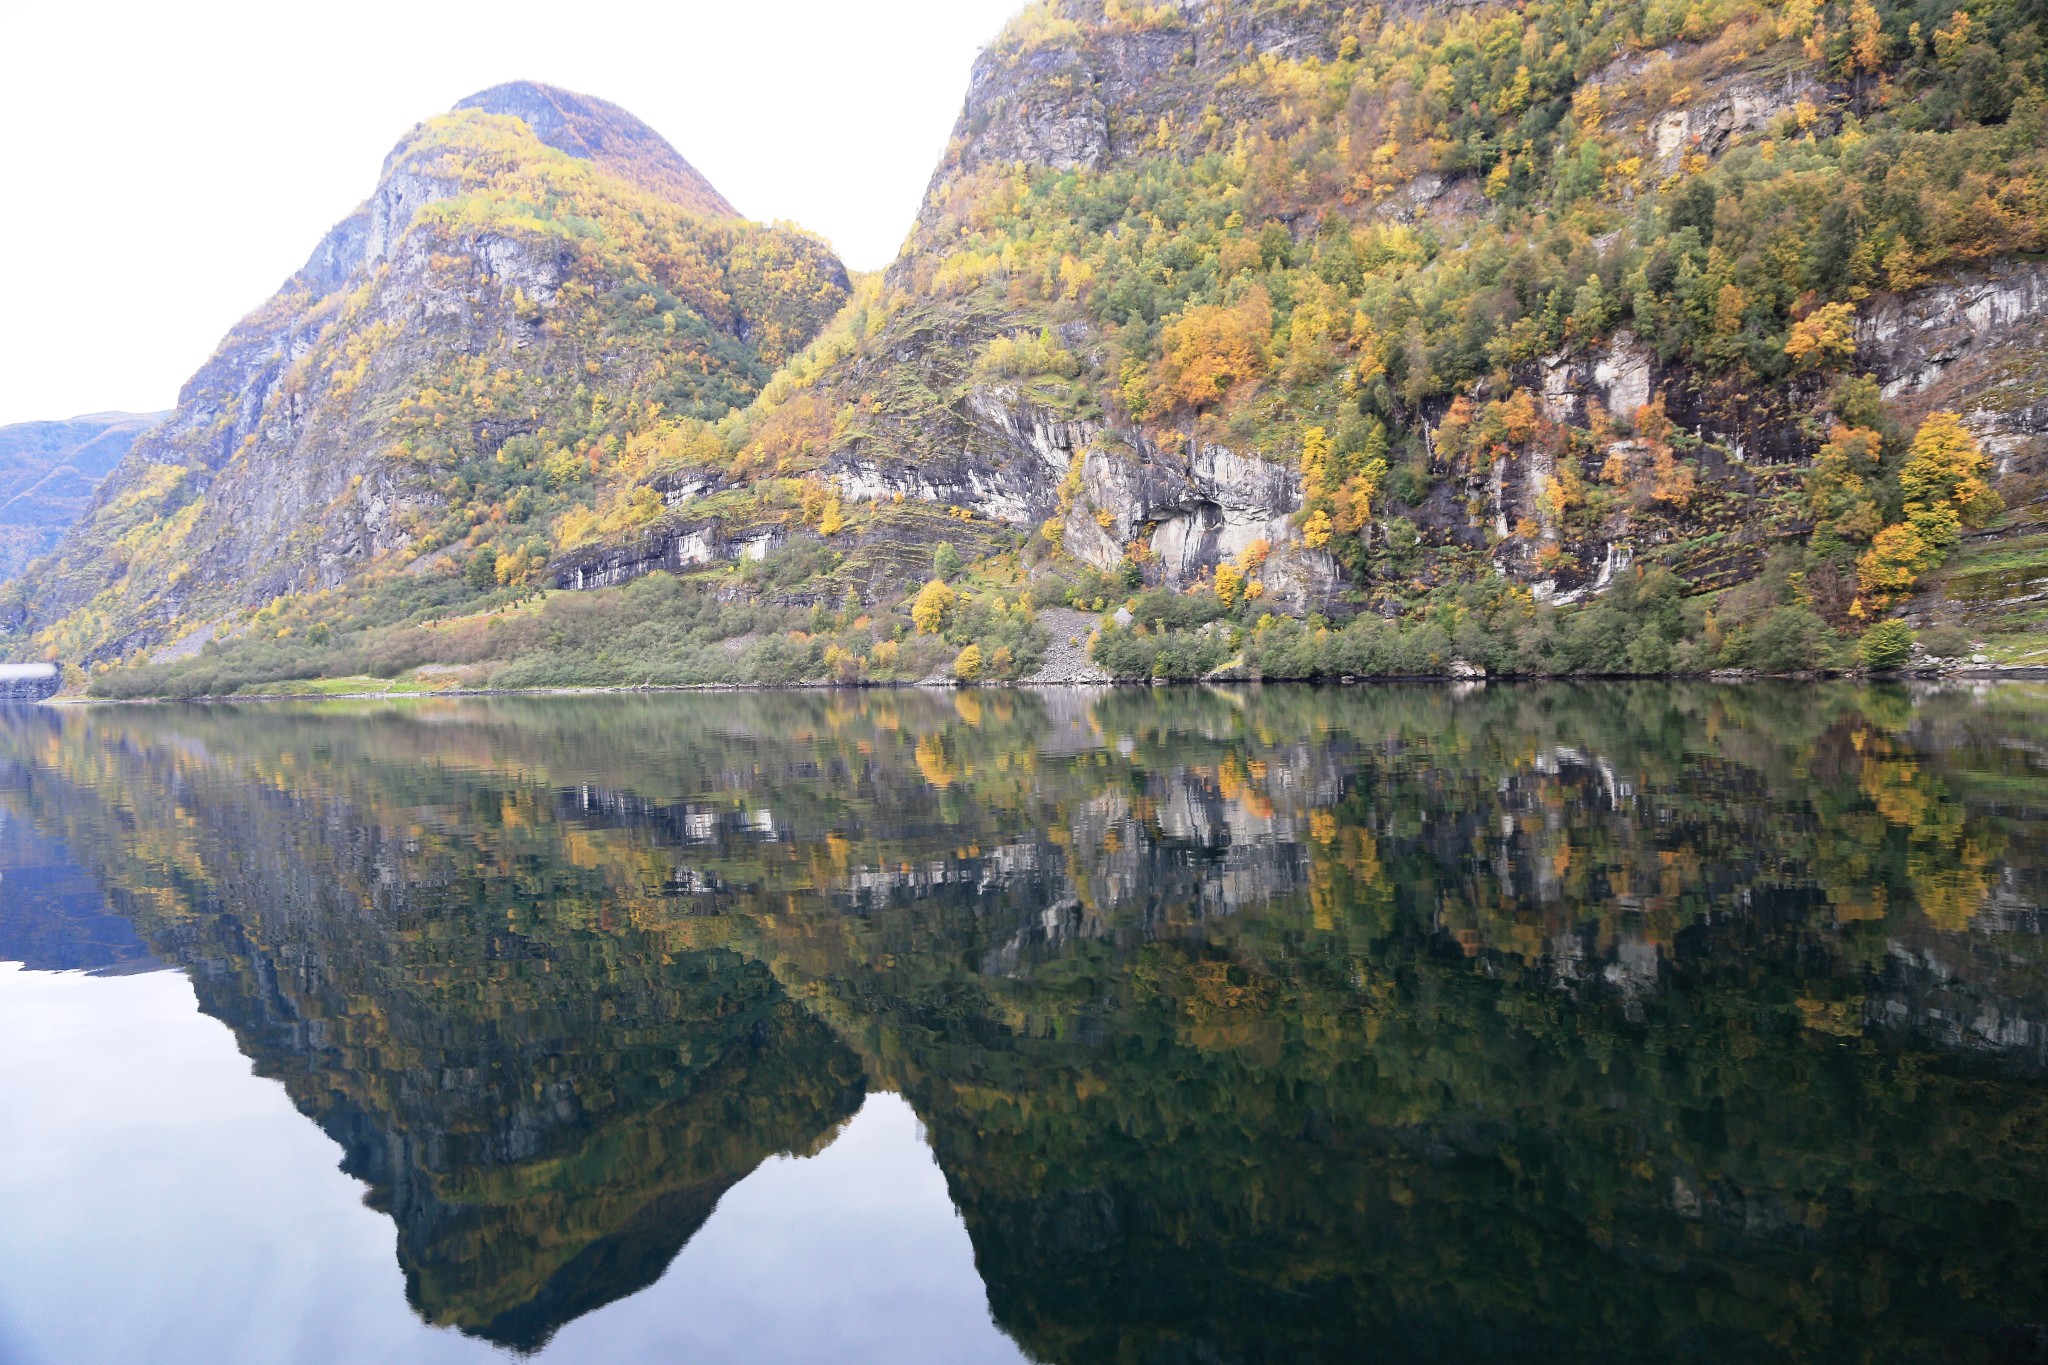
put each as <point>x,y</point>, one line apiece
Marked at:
<point>1637,1020</point>
<point>548,1100</point>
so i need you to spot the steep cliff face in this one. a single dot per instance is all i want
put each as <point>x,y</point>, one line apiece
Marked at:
<point>503,281</point>
<point>1070,90</point>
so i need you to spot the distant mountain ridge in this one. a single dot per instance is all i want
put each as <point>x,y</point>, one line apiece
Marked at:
<point>48,473</point>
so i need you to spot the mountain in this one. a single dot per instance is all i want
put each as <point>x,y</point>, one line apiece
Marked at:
<point>48,471</point>
<point>1457,315</point>
<point>1462,311</point>
<point>466,349</point>
<point>1282,339</point>
<point>609,138</point>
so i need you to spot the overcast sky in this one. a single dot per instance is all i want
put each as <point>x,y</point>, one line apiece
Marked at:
<point>167,166</point>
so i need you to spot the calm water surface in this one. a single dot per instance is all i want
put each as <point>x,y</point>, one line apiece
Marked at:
<point>1636,1022</point>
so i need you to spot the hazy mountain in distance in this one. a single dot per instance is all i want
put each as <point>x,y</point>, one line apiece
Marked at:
<point>48,471</point>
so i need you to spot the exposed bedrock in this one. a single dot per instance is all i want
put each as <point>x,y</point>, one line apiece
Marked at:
<point>1192,505</point>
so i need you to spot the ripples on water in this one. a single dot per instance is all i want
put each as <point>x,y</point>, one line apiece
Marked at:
<point>1603,1023</point>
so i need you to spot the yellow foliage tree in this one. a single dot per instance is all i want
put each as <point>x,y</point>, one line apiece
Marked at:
<point>1342,500</point>
<point>1946,468</point>
<point>1671,481</point>
<point>1945,489</point>
<point>1866,38</point>
<point>1353,498</point>
<point>1316,449</point>
<point>1728,307</point>
<point>842,664</point>
<point>1824,337</point>
<point>1894,562</point>
<point>933,607</point>
<point>1229,584</point>
<point>811,499</point>
<point>1454,431</point>
<point>967,665</point>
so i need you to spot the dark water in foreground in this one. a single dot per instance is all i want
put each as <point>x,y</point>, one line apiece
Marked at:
<point>1635,1022</point>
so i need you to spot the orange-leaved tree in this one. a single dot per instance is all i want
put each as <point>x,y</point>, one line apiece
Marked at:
<point>1211,351</point>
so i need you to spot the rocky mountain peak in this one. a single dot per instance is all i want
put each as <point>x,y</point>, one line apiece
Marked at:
<point>510,291</point>
<point>601,132</point>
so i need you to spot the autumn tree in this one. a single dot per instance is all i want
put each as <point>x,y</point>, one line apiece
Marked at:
<point>1943,477</point>
<point>1841,488</point>
<point>1897,556</point>
<point>1229,584</point>
<point>1338,487</point>
<point>1211,351</point>
<point>933,607</point>
<point>1945,490</point>
<point>1823,338</point>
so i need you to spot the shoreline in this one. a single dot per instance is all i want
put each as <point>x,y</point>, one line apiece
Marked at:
<point>1726,678</point>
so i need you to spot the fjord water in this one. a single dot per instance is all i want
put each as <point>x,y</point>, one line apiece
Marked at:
<point>1645,1021</point>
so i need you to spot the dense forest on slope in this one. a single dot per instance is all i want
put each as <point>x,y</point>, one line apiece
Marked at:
<point>1547,337</point>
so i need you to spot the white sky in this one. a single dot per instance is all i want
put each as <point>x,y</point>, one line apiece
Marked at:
<point>168,165</point>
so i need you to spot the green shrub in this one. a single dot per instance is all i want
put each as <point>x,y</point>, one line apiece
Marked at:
<point>1946,642</point>
<point>482,572</point>
<point>1179,655</point>
<point>1887,645</point>
<point>1788,640</point>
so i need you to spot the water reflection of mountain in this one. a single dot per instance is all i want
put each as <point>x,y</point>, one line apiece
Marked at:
<point>1689,1023</point>
<point>53,917</point>
<point>547,1101</point>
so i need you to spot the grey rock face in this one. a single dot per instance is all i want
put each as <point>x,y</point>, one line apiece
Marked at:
<point>1914,338</point>
<point>1194,508</point>
<point>1742,109</point>
<point>1071,106</point>
<point>1971,343</point>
